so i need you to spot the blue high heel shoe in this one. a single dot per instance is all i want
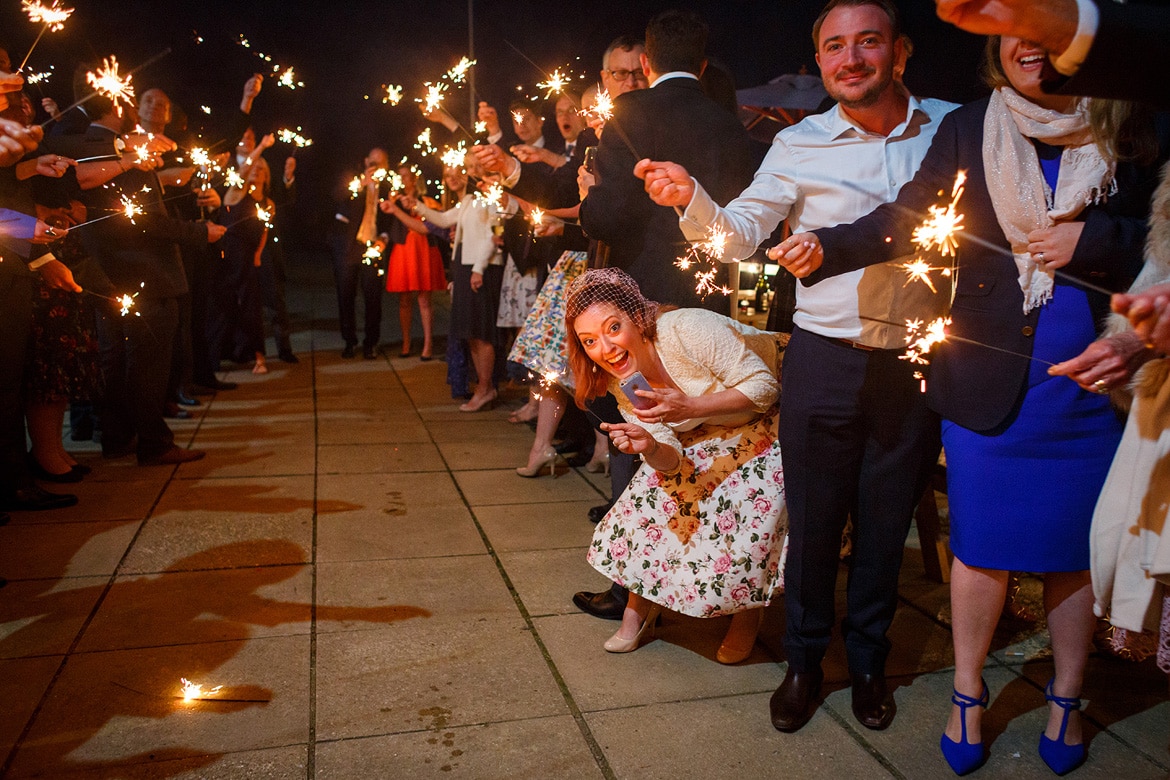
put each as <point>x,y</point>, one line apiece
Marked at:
<point>1061,758</point>
<point>964,756</point>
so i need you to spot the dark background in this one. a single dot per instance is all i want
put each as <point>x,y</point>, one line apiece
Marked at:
<point>345,51</point>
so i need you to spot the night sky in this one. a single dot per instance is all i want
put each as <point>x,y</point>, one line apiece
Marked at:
<point>345,50</point>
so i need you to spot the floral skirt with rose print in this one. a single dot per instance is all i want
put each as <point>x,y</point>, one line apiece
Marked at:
<point>711,539</point>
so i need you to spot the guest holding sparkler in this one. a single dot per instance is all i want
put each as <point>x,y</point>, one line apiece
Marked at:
<point>415,268</point>
<point>1053,182</point>
<point>700,529</point>
<point>476,274</point>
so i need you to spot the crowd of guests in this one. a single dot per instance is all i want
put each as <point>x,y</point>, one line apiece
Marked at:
<point>139,259</point>
<point>738,457</point>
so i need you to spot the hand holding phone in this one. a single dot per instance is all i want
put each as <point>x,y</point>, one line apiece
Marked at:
<point>637,382</point>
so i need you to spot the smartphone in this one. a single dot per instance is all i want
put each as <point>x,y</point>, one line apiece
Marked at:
<point>637,382</point>
<point>591,159</point>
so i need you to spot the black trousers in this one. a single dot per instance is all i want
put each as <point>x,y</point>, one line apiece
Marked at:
<point>198,263</point>
<point>136,361</point>
<point>272,282</point>
<point>857,440</point>
<point>16,292</point>
<point>350,273</point>
<point>622,465</point>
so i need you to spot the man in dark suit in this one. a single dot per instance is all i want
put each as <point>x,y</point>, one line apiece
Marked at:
<point>359,222</point>
<point>139,256</point>
<point>675,119</point>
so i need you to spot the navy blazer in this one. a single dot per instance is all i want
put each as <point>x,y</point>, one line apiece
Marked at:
<point>972,385</point>
<point>672,121</point>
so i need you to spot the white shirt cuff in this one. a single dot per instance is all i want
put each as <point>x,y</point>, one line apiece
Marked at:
<point>1071,58</point>
<point>699,213</point>
<point>42,260</point>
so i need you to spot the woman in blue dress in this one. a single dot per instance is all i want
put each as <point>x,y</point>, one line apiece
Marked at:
<point>1047,188</point>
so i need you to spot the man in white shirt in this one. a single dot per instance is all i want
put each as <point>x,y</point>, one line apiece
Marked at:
<point>856,436</point>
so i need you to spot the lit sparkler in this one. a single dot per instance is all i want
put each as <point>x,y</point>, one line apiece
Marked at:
<point>708,256</point>
<point>205,109</point>
<point>537,216</point>
<point>423,142</point>
<point>125,302</point>
<point>233,179</point>
<point>293,137</point>
<point>602,107</point>
<point>130,209</point>
<point>355,187</point>
<point>52,16</point>
<point>458,74</point>
<point>480,128</point>
<point>372,254</point>
<point>194,692</point>
<point>106,81</point>
<point>264,215</point>
<point>918,270</point>
<point>434,97</point>
<point>38,78</point>
<point>493,197</point>
<point>939,229</point>
<point>922,338</point>
<point>555,84</point>
<point>289,79</point>
<point>393,94</point>
<point>454,157</point>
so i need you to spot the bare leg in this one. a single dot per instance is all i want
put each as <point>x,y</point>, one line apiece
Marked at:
<point>427,315</point>
<point>260,367</point>
<point>551,408</point>
<point>636,609</point>
<point>404,314</point>
<point>483,357</point>
<point>976,603</point>
<point>741,636</point>
<point>1068,600</point>
<point>44,429</point>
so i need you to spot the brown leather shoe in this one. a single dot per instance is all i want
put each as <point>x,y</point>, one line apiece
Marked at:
<point>873,705</point>
<point>602,605</point>
<point>795,701</point>
<point>172,456</point>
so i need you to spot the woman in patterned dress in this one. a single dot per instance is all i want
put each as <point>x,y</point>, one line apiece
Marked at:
<point>700,529</point>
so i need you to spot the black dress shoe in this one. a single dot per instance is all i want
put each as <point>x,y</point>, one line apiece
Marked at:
<point>349,351</point>
<point>287,356</point>
<point>43,474</point>
<point>873,705</point>
<point>602,605</point>
<point>182,399</point>
<point>369,353</point>
<point>33,499</point>
<point>795,701</point>
<point>597,513</point>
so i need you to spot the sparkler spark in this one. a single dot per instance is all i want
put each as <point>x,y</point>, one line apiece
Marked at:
<point>289,79</point>
<point>921,339</point>
<point>372,254</point>
<point>355,187</point>
<point>707,254</point>
<point>918,270</point>
<point>233,179</point>
<point>130,209</point>
<point>264,215</point>
<point>205,109</point>
<point>434,97</point>
<point>939,229</point>
<point>480,128</point>
<point>493,196</point>
<point>38,78</point>
<point>458,74</point>
<point>454,157</point>
<point>292,137</point>
<point>537,216</point>
<point>194,692</point>
<point>423,142</point>
<point>555,84</point>
<point>105,81</point>
<point>52,16</point>
<point>602,107</point>
<point>393,94</point>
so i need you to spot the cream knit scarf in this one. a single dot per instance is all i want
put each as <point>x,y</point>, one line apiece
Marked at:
<point>1021,197</point>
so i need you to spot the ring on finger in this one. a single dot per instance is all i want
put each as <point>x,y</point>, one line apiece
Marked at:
<point>1040,258</point>
<point>1100,387</point>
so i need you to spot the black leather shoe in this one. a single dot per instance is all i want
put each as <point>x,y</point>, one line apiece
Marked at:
<point>795,701</point>
<point>287,356</point>
<point>873,705</point>
<point>349,351</point>
<point>33,499</point>
<point>40,472</point>
<point>597,513</point>
<point>369,353</point>
<point>602,605</point>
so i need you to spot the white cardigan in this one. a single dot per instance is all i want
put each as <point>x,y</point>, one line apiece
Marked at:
<point>472,218</point>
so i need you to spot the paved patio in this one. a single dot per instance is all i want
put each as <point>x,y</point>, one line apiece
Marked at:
<point>380,596</point>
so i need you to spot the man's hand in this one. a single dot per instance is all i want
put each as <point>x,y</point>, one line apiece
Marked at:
<point>53,166</point>
<point>16,141</point>
<point>486,114</point>
<point>1149,313</point>
<point>476,281</point>
<point>526,153</point>
<point>251,90</point>
<point>290,169</point>
<point>1050,23</point>
<point>492,158</point>
<point>667,183</point>
<point>9,82</point>
<point>58,276</point>
<point>1105,364</point>
<point>51,107</point>
<point>800,254</point>
<point>208,198</point>
<point>215,232</point>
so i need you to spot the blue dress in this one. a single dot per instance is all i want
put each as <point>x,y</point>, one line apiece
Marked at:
<point>1022,500</point>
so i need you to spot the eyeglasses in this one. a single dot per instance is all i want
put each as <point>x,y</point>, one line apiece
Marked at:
<point>621,74</point>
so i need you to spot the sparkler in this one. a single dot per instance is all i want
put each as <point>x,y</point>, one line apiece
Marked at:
<point>555,83</point>
<point>458,74</point>
<point>130,209</point>
<point>194,692</point>
<point>393,94</point>
<point>288,79</point>
<point>205,109</point>
<point>480,128</point>
<point>921,339</point>
<point>939,229</point>
<point>434,97</point>
<point>493,196</point>
<point>708,255</point>
<point>264,215</point>
<point>125,301</point>
<point>51,17</point>
<point>602,107</point>
<point>107,82</point>
<point>454,157</point>
<point>355,187</point>
<point>294,137</point>
<point>537,216</point>
<point>233,179</point>
<point>423,143</point>
<point>39,78</point>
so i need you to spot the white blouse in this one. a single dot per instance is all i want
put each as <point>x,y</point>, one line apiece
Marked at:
<point>472,218</point>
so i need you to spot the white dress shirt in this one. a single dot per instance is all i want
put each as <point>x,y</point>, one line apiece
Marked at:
<point>822,172</point>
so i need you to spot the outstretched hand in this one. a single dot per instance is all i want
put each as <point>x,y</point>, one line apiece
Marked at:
<point>667,183</point>
<point>800,254</point>
<point>629,438</point>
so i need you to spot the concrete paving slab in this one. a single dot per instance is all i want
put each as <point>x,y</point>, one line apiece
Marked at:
<point>666,741</point>
<point>195,607</point>
<point>506,487</point>
<point>273,764</point>
<point>192,540</point>
<point>685,646</point>
<point>477,428</point>
<point>419,673</point>
<point>547,748</point>
<point>394,494</point>
<point>547,579</point>
<point>274,459</point>
<point>22,683</point>
<point>43,617</point>
<point>451,591</point>
<point>103,501</point>
<point>64,550</point>
<point>371,428</point>
<point>398,530</point>
<point>379,458</point>
<point>123,706</point>
<point>548,526</point>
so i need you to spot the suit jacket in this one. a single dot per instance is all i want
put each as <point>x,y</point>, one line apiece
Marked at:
<point>977,387</point>
<point>1126,61</point>
<point>143,252</point>
<point>671,121</point>
<point>345,233</point>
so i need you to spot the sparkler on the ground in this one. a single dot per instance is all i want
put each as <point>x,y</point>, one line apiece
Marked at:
<point>393,94</point>
<point>105,81</point>
<point>194,692</point>
<point>52,18</point>
<point>707,255</point>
